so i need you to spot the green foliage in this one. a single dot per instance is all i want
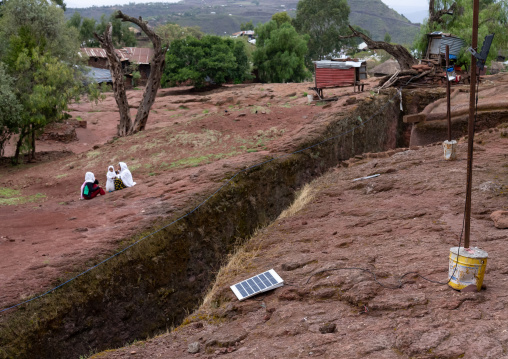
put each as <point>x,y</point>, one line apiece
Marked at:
<point>38,54</point>
<point>324,21</point>
<point>247,26</point>
<point>281,18</point>
<point>136,75</point>
<point>192,59</point>
<point>10,108</point>
<point>280,51</point>
<point>86,27</point>
<point>387,38</point>
<point>493,18</point>
<point>172,32</point>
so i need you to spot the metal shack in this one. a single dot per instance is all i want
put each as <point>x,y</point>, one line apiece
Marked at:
<point>337,73</point>
<point>436,48</point>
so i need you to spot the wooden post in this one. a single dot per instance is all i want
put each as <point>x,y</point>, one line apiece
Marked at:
<point>448,114</point>
<point>470,134</point>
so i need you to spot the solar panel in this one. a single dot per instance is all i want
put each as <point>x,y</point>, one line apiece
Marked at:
<point>258,284</point>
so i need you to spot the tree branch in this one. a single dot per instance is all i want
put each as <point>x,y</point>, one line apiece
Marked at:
<point>399,52</point>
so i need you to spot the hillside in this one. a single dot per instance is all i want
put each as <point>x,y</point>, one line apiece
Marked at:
<point>219,17</point>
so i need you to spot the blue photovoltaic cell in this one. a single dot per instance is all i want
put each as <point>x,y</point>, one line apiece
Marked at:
<point>270,277</point>
<point>240,289</point>
<point>259,282</point>
<point>266,282</point>
<point>253,285</point>
<point>247,287</point>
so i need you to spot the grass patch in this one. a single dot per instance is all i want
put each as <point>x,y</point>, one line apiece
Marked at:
<point>182,107</point>
<point>189,162</point>
<point>249,150</point>
<point>93,154</point>
<point>61,176</point>
<point>13,197</point>
<point>206,111</point>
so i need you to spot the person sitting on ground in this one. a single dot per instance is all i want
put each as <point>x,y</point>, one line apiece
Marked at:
<point>111,176</point>
<point>90,187</point>
<point>124,178</point>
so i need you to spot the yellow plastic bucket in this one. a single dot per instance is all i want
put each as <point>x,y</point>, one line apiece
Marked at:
<point>466,267</point>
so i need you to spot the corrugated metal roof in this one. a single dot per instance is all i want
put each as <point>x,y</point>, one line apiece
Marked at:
<point>98,75</point>
<point>139,55</point>
<point>344,65</point>
<point>438,42</point>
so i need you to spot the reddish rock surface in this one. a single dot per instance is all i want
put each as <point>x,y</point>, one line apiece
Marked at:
<point>193,141</point>
<point>500,219</point>
<point>398,226</point>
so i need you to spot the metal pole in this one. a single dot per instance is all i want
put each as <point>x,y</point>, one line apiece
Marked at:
<point>470,134</point>
<point>448,114</point>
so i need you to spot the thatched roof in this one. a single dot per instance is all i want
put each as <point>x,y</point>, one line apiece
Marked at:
<point>388,67</point>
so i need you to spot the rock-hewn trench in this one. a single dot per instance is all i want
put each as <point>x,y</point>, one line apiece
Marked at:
<point>154,285</point>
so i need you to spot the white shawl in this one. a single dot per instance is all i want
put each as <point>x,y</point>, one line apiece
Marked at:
<point>126,175</point>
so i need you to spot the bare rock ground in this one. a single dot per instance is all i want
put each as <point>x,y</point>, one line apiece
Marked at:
<point>403,221</point>
<point>193,141</point>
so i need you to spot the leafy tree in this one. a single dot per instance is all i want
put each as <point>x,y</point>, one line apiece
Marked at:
<point>281,18</point>
<point>38,52</point>
<point>280,51</point>
<point>247,26</point>
<point>213,57</point>
<point>86,28</point>
<point>324,21</point>
<point>171,32</point>
<point>387,38</point>
<point>122,36</point>
<point>456,17</point>
<point>10,108</point>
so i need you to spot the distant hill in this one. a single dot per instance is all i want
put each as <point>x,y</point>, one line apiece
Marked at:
<point>225,16</point>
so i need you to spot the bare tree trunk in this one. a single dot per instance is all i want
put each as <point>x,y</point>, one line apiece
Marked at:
<point>115,66</point>
<point>403,57</point>
<point>156,69</point>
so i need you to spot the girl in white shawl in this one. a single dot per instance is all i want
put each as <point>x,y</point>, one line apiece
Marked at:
<point>111,176</point>
<point>124,177</point>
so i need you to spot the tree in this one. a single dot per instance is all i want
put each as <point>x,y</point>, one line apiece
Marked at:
<point>387,38</point>
<point>214,58</point>
<point>86,27</point>
<point>126,127</point>
<point>10,108</point>
<point>399,52</point>
<point>281,18</point>
<point>280,51</point>
<point>171,32</point>
<point>247,26</point>
<point>39,53</point>
<point>456,17</point>
<point>121,35</point>
<point>324,21</point>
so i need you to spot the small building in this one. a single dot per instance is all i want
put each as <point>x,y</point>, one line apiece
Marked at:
<point>248,33</point>
<point>436,47</point>
<point>338,73</point>
<point>131,58</point>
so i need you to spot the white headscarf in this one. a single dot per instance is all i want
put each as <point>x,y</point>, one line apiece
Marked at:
<point>112,173</point>
<point>126,175</point>
<point>89,177</point>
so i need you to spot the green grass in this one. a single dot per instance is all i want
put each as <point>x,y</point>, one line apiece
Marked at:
<point>182,107</point>
<point>61,176</point>
<point>13,197</point>
<point>206,111</point>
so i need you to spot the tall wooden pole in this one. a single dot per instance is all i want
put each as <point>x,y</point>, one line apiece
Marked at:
<point>470,133</point>
<point>448,114</point>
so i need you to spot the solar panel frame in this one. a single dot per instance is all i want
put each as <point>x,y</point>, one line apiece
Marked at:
<point>257,284</point>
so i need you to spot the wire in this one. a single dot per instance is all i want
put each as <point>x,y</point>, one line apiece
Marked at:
<point>208,198</point>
